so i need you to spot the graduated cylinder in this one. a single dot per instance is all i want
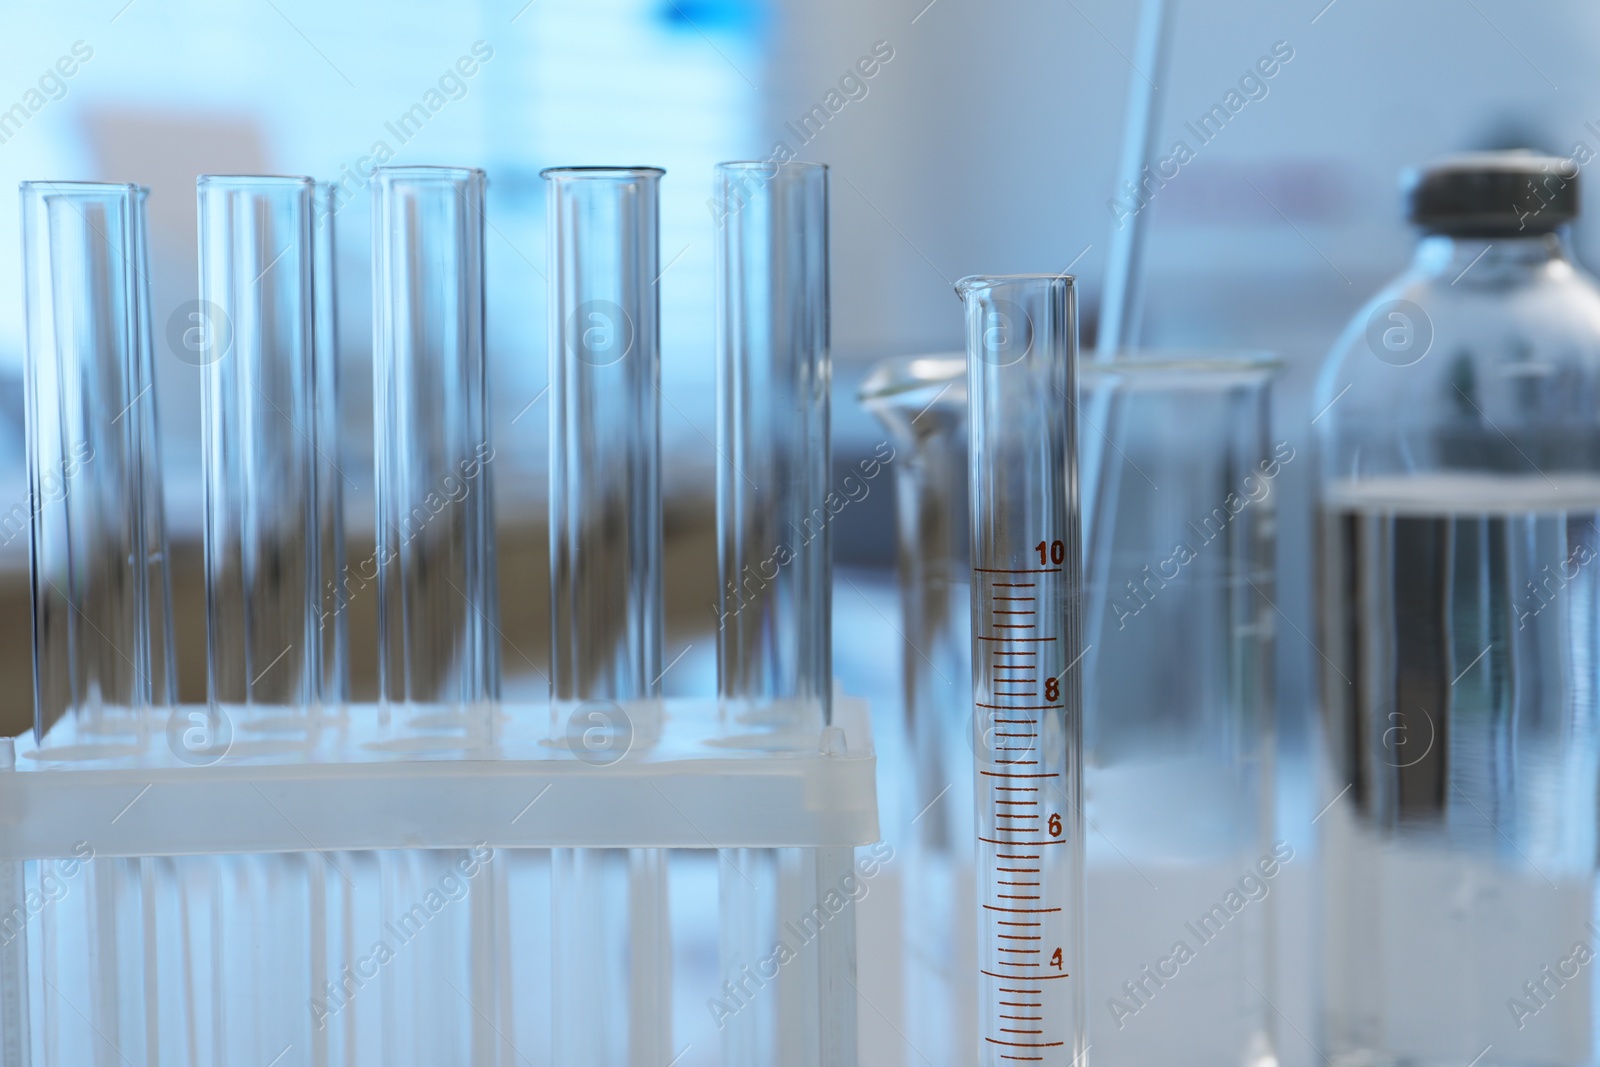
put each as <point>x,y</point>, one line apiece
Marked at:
<point>1026,648</point>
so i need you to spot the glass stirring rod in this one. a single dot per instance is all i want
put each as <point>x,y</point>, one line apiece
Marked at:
<point>1026,637</point>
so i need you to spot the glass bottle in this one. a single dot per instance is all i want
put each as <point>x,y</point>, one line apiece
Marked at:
<point>1459,455</point>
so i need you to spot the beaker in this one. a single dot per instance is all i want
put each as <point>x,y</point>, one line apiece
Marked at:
<point>438,634</point>
<point>102,623</point>
<point>261,456</point>
<point>1178,707</point>
<point>1177,718</point>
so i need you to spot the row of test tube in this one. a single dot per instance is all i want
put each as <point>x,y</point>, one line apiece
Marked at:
<point>263,333</point>
<point>277,580</point>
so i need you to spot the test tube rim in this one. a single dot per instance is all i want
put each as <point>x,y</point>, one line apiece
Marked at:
<point>974,283</point>
<point>801,165</point>
<point>439,172</point>
<point>246,181</point>
<point>553,174</point>
<point>45,186</point>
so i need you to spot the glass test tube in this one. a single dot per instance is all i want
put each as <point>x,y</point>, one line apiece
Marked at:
<point>1026,637</point>
<point>773,375</point>
<point>438,635</point>
<point>261,455</point>
<point>605,437</point>
<point>606,590</point>
<point>335,621</point>
<point>101,611</point>
<point>163,651</point>
<point>774,613</point>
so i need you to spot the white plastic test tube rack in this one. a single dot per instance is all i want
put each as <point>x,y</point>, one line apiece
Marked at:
<point>156,911</point>
<point>389,884</point>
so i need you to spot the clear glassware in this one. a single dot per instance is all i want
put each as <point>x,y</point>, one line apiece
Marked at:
<point>922,403</point>
<point>1458,428</point>
<point>605,435</point>
<point>438,635</point>
<point>773,626</point>
<point>335,620</point>
<point>261,458</point>
<point>1026,641</point>
<point>1196,425</point>
<point>158,558</point>
<point>102,620</point>
<point>606,591</point>
<point>775,565</point>
<point>1178,708</point>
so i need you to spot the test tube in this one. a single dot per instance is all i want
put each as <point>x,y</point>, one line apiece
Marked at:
<point>259,443</point>
<point>773,375</point>
<point>101,613</point>
<point>774,610</point>
<point>605,590</point>
<point>438,635</point>
<point>163,651</point>
<point>605,437</point>
<point>335,621</point>
<point>1026,638</point>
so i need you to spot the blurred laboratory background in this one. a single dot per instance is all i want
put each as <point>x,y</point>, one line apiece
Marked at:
<point>963,138</point>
